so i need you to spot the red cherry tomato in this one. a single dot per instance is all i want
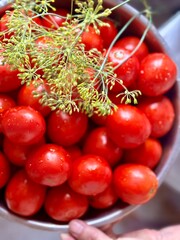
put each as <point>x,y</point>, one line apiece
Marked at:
<point>26,97</point>
<point>130,43</point>
<point>6,102</point>
<point>128,71</point>
<point>105,199</point>
<point>98,142</point>
<point>108,33</point>
<point>23,196</point>
<point>128,126</point>
<point>17,153</point>
<point>92,40</point>
<point>160,112</point>
<point>158,74</point>
<point>9,80</point>
<point>134,183</point>
<point>65,129</point>
<point>23,125</point>
<point>3,24</point>
<point>49,165</point>
<point>63,204</point>
<point>55,19</point>
<point>149,153</point>
<point>91,174</point>
<point>4,170</point>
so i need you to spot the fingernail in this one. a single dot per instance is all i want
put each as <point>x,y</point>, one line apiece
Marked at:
<point>76,227</point>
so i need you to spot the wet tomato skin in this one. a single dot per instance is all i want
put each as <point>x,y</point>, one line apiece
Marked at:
<point>127,70</point>
<point>108,33</point>
<point>157,74</point>
<point>49,165</point>
<point>9,80</point>
<point>130,43</point>
<point>65,129</point>
<point>6,102</point>
<point>92,40</point>
<point>26,97</point>
<point>105,199</point>
<point>23,125</point>
<point>128,127</point>
<point>149,153</point>
<point>63,204</point>
<point>98,142</point>
<point>23,196</point>
<point>90,175</point>
<point>160,112</point>
<point>18,153</point>
<point>135,183</point>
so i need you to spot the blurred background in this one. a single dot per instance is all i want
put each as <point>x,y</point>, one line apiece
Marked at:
<point>162,9</point>
<point>164,209</point>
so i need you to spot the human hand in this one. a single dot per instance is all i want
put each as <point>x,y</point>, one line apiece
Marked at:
<point>79,230</point>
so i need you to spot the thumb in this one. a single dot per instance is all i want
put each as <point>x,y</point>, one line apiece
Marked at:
<point>81,231</point>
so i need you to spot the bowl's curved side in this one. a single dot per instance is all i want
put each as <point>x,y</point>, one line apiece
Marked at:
<point>170,142</point>
<point>4,5</point>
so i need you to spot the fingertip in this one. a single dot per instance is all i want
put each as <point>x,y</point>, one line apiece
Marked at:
<point>82,231</point>
<point>66,236</point>
<point>76,227</point>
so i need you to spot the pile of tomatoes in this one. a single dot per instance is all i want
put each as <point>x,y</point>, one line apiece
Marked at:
<point>66,164</point>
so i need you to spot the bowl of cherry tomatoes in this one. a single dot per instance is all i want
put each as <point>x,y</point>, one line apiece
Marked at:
<point>56,166</point>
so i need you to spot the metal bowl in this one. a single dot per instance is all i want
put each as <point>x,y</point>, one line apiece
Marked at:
<point>170,142</point>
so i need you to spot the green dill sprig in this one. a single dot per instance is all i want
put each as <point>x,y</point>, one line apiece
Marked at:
<point>78,80</point>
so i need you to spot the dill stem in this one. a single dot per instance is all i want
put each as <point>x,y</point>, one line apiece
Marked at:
<point>119,5</point>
